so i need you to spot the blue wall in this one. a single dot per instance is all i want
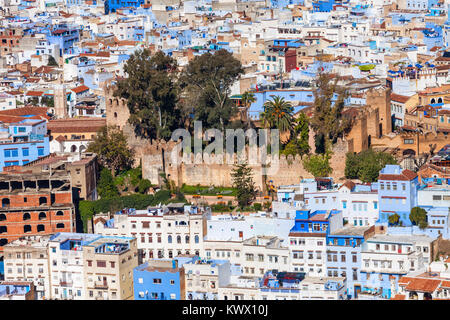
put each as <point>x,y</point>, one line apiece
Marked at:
<point>113,5</point>
<point>16,153</point>
<point>163,290</point>
<point>396,201</point>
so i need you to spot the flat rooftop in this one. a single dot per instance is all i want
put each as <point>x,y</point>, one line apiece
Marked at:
<point>350,231</point>
<point>409,239</point>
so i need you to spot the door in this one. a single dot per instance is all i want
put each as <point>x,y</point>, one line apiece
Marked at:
<point>357,290</point>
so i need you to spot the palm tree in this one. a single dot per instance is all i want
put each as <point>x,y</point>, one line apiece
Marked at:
<point>247,99</point>
<point>278,113</point>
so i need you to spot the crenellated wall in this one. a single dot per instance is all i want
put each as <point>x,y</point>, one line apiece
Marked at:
<point>209,172</point>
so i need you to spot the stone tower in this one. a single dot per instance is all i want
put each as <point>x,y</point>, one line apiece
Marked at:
<point>381,99</point>
<point>60,100</point>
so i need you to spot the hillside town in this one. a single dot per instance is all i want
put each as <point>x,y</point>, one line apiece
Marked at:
<point>98,204</point>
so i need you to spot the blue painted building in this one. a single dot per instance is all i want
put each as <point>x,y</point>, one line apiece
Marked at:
<point>113,5</point>
<point>65,37</point>
<point>160,280</point>
<point>307,240</point>
<point>397,193</point>
<point>344,256</point>
<point>318,221</point>
<point>15,290</point>
<point>23,142</point>
<point>323,6</point>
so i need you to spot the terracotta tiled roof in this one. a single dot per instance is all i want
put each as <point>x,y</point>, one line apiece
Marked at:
<point>349,184</point>
<point>444,111</point>
<point>399,98</point>
<point>75,125</point>
<point>423,285</point>
<point>60,139</point>
<point>35,93</point>
<point>39,112</point>
<point>404,280</point>
<point>81,88</point>
<point>406,175</point>
<point>442,88</point>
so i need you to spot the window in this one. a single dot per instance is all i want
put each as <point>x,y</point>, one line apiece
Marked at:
<point>40,151</point>
<point>10,153</point>
<point>157,281</point>
<point>25,152</point>
<point>408,141</point>
<point>101,264</point>
<point>169,239</point>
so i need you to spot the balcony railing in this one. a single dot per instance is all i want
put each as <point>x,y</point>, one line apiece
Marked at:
<point>65,283</point>
<point>100,285</point>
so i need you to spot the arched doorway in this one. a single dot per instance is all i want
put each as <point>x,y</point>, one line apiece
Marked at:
<point>409,152</point>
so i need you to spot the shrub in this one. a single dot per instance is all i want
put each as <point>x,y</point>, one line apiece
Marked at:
<point>144,185</point>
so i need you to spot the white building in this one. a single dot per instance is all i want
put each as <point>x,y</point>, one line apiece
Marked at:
<point>160,232</point>
<point>27,260</point>
<point>204,277</point>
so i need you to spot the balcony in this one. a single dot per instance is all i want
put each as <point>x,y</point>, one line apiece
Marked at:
<point>100,285</point>
<point>65,283</point>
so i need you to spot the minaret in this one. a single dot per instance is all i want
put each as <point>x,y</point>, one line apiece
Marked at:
<point>60,99</point>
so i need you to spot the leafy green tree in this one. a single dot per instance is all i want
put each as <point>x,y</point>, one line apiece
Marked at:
<point>318,165</point>
<point>257,206</point>
<point>106,187</point>
<point>52,62</point>
<point>242,176</point>
<point>151,91</point>
<point>206,81</point>
<point>86,209</point>
<point>367,164</point>
<point>48,101</point>
<point>110,145</point>
<point>328,122</point>
<point>144,185</point>
<point>394,219</point>
<point>299,142</point>
<point>418,217</point>
<point>278,113</point>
